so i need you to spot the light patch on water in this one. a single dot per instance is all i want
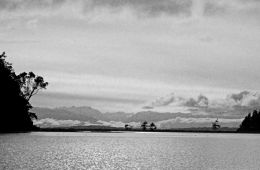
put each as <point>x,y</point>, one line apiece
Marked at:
<point>69,150</point>
<point>57,134</point>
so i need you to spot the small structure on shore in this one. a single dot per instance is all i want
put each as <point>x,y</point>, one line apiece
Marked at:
<point>215,125</point>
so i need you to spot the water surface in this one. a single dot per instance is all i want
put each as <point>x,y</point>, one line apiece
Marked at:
<point>83,150</point>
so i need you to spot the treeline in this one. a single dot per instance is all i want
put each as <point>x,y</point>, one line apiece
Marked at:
<point>16,92</point>
<point>251,123</point>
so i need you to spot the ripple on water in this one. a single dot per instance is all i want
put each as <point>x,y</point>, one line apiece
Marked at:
<point>48,150</point>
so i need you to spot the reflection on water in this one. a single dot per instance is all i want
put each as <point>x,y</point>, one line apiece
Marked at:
<point>51,150</point>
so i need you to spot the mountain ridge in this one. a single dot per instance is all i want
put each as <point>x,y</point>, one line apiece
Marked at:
<point>86,113</point>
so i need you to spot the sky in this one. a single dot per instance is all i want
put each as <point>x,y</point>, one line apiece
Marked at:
<point>190,56</point>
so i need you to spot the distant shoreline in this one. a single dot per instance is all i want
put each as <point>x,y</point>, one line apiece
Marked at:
<point>122,130</point>
<point>112,129</point>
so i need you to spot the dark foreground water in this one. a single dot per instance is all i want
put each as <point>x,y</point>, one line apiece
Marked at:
<point>51,150</point>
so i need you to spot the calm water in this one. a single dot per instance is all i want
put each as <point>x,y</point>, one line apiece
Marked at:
<point>51,150</point>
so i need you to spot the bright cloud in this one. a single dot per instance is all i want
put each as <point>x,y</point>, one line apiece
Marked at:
<point>181,122</point>
<point>233,105</point>
<point>53,122</point>
<point>50,122</point>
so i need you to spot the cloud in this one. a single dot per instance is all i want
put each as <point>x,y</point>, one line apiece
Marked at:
<point>238,97</point>
<point>235,105</point>
<point>181,122</point>
<point>12,5</point>
<point>201,101</point>
<point>244,99</point>
<point>232,6</point>
<point>140,8</point>
<point>171,99</point>
<point>147,107</point>
<point>148,7</point>
<point>48,122</point>
<point>147,44</point>
<point>163,101</point>
<point>59,96</point>
<point>111,123</point>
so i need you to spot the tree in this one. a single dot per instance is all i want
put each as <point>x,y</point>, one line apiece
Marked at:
<point>14,105</point>
<point>153,126</point>
<point>144,125</point>
<point>30,84</point>
<point>251,122</point>
<point>128,127</point>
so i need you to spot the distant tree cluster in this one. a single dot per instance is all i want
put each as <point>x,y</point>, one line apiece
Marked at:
<point>16,91</point>
<point>145,125</point>
<point>128,127</point>
<point>251,123</point>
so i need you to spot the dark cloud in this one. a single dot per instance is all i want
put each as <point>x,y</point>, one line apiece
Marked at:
<point>143,8</point>
<point>201,101</point>
<point>148,7</point>
<point>239,96</point>
<point>12,5</point>
<point>63,97</point>
<point>221,7</point>
<point>235,105</point>
<point>212,8</point>
<point>245,100</point>
<point>147,107</point>
<point>190,102</point>
<point>140,7</point>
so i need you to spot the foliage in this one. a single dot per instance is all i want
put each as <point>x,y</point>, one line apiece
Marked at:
<point>14,100</point>
<point>128,127</point>
<point>30,84</point>
<point>251,123</point>
<point>144,125</point>
<point>153,126</point>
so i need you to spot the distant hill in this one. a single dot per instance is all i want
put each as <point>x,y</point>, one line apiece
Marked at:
<point>92,115</point>
<point>85,111</point>
<point>152,116</point>
<point>86,116</point>
<point>118,116</point>
<point>65,114</point>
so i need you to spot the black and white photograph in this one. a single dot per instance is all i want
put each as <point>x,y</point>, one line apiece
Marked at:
<point>130,84</point>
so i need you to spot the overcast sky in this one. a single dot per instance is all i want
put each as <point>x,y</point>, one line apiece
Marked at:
<point>133,55</point>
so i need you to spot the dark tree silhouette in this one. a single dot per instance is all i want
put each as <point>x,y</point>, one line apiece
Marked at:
<point>30,84</point>
<point>144,125</point>
<point>251,123</point>
<point>14,102</point>
<point>216,125</point>
<point>128,127</point>
<point>153,126</point>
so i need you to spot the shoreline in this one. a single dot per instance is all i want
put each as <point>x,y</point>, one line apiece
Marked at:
<point>123,130</point>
